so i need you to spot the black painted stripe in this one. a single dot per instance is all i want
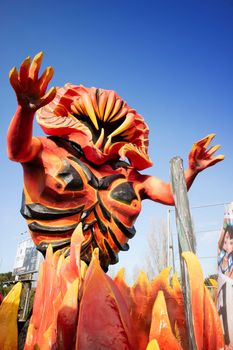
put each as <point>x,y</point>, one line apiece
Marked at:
<point>35,227</point>
<point>71,177</point>
<point>87,243</point>
<point>123,247</point>
<point>106,181</point>
<point>100,224</point>
<point>112,255</point>
<point>92,179</point>
<point>119,164</point>
<point>39,211</point>
<point>87,212</point>
<point>129,232</point>
<point>87,227</point>
<point>105,212</point>
<point>42,247</point>
<point>68,145</point>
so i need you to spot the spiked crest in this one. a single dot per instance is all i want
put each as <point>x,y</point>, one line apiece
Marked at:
<point>100,121</point>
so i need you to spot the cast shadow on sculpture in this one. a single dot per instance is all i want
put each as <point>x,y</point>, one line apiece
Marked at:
<point>87,169</point>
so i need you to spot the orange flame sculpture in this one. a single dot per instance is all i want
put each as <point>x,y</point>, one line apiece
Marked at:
<point>80,307</point>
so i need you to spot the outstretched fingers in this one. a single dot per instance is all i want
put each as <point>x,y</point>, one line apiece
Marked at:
<point>212,150</point>
<point>206,154</point>
<point>29,88</point>
<point>200,157</point>
<point>35,67</point>
<point>215,160</point>
<point>14,79</point>
<point>204,143</point>
<point>48,97</point>
<point>23,73</point>
<point>39,85</point>
<point>199,149</point>
<point>193,152</point>
<point>45,79</point>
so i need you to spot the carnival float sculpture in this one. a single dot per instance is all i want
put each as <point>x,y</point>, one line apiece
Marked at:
<point>82,194</point>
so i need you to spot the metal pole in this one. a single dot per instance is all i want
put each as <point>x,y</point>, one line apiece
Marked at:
<point>27,301</point>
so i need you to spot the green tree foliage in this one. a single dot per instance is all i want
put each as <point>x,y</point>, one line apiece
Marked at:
<point>5,285</point>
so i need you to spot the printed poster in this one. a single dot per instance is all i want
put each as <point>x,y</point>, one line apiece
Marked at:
<point>225,277</point>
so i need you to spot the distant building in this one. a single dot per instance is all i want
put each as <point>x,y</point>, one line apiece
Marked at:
<point>27,258</point>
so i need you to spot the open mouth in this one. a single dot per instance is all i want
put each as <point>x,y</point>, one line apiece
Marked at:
<point>105,134</point>
<point>106,124</point>
<point>108,121</point>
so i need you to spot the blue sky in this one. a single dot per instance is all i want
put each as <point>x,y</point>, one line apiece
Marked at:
<point>170,60</point>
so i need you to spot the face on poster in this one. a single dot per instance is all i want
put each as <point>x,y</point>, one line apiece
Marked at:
<point>225,244</point>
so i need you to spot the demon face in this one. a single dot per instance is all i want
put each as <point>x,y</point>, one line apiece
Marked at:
<point>100,122</point>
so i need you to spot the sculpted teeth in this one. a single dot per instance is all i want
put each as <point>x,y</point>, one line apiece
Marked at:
<point>100,140</point>
<point>124,126</point>
<point>109,106</point>
<point>122,113</point>
<point>116,109</point>
<point>102,103</point>
<point>90,110</point>
<point>75,109</point>
<point>108,144</point>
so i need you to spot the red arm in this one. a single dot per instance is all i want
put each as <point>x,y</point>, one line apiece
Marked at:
<point>160,191</point>
<point>21,146</point>
<point>31,95</point>
<point>199,159</point>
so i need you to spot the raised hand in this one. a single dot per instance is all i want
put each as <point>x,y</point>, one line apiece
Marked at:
<point>200,156</point>
<point>29,88</point>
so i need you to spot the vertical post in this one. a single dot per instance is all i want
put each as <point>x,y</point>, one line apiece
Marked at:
<point>168,238</point>
<point>170,246</point>
<point>183,216</point>
<point>172,249</point>
<point>27,300</point>
<point>186,238</point>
